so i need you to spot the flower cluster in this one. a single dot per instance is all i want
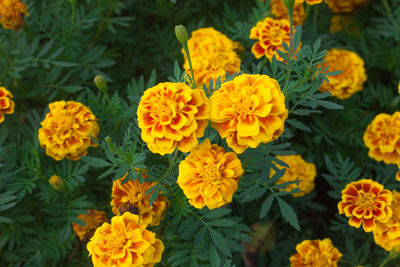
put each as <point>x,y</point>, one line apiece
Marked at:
<point>134,193</point>
<point>367,202</point>
<point>345,6</point>
<point>382,138</point>
<point>172,115</point>
<point>67,130</point>
<point>248,110</point>
<point>92,220</point>
<point>209,176</point>
<point>316,253</point>
<point>12,14</point>
<point>212,54</point>
<point>350,80</point>
<point>298,169</point>
<point>6,104</point>
<point>124,242</point>
<point>279,10</point>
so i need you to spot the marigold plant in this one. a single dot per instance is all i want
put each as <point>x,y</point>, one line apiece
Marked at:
<point>365,202</point>
<point>6,104</point>
<point>67,130</point>
<point>345,6</point>
<point>248,110</point>
<point>12,14</point>
<point>172,115</point>
<point>92,220</point>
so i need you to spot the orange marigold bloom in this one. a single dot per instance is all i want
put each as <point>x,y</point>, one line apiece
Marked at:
<point>279,10</point>
<point>67,130</point>
<point>12,14</point>
<point>172,115</point>
<point>316,253</point>
<point>298,169</point>
<point>57,183</point>
<point>382,138</point>
<point>343,23</point>
<point>6,104</point>
<point>124,242</point>
<point>92,220</point>
<point>248,110</point>
<point>212,54</point>
<point>365,201</point>
<point>387,235</point>
<point>134,193</point>
<point>345,6</point>
<point>350,80</point>
<point>310,2</point>
<point>209,176</point>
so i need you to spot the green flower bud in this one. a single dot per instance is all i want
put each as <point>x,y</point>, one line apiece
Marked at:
<point>101,83</point>
<point>181,34</point>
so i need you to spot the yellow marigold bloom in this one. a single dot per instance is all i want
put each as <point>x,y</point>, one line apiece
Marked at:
<point>57,183</point>
<point>387,235</point>
<point>343,23</point>
<point>172,115</point>
<point>92,220</point>
<point>298,169</point>
<point>270,34</point>
<point>209,176</point>
<point>124,242</point>
<point>279,10</point>
<point>318,253</point>
<point>12,14</point>
<point>67,129</point>
<point>350,80</point>
<point>6,104</point>
<point>212,54</point>
<point>382,138</point>
<point>366,202</point>
<point>248,110</point>
<point>310,2</point>
<point>345,6</point>
<point>134,193</point>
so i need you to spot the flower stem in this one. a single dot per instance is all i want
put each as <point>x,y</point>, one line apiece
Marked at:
<point>388,258</point>
<point>185,47</point>
<point>73,4</point>
<point>290,12</point>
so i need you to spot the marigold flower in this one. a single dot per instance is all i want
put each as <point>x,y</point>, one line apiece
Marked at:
<point>298,169</point>
<point>345,6</point>
<point>6,104</point>
<point>134,193</point>
<point>209,176</point>
<point>315,253</point>
<point>343,23</point>
<point>365,201</point>
<point>172,115</point>
<point>350,80</point>
<point>212,54</point>
<point>92,220</point>
<point>124,242</point>
<point>12,14</point>
<point>387,235</point>
<point>279,10</point>
<point>310,2</point>
<point>67,130</point>
<point>382,137</point>
<point>57,183</point>
<point>248,110</point>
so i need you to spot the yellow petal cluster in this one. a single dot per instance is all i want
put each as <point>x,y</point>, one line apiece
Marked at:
<point>212,54</point>
<point>343,23</point>
<point>382,137</point>
<point>172,115</point>
<point>209,175</point>
<point>345,6</point>
<point>298,169</point>
<point>6,104</point>
<point>12,14</point>
<point>279,10</point>
<point>67,130</point>
<point>92,220</point>
<point>134,193</point>
<point>352,78</point>
<point>248,110</point>
<point>57,183</point>
<point>124,242</point>
<point>310,2</point>
<point>387,235</point>
<point>317,252</point>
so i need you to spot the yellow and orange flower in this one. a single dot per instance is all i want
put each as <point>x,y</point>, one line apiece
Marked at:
<point>279,10</point>
<point>382,138</point>
<point>57,183</point>
<point>310,2</point>
<point>345,6</point>
<point>172,115</point>
<point>12,14</point>
<point>212,54</point>
<point>6,104</point>
<point>92,220</point>
<point>209,176</point>
<point>365,201</point>
<point>134,193</point>
<point>248,110</point>
<point>124,242</point>
<point>298,169</point>
<point>318,253</point>
<point>343,23</point>
<point>352,78</point>
<point>387,235</point>
<point>67,130</point>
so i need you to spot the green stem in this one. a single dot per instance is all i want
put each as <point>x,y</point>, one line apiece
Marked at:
<point>290,12</point>
<point>388,258</point>
<point>73,4</point>
<point>185,47</point>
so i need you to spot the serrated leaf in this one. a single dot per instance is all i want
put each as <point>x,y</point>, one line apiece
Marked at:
<point>328,104</point>
<point>288,213</point>
<point>215,260</point>
<point>266,206</point>
<point>219,242</point>
<point>96,162</point>
<point>298,125</point>
<point>216,213</point>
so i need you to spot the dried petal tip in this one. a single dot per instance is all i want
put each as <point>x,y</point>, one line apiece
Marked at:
<point>101,83</point>
<point>181,34</point>
<point>57,183</point>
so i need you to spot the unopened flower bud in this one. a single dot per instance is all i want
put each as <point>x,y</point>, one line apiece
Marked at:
<point>107,139</point>
<point>101,83</point>
<point>57,183</point>
<point>181,34</point>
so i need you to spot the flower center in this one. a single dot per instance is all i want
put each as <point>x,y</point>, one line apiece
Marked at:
<point>211,172</point>
<point>243,107</point>
<point>165,111</point>
<point>365,200</point>
<point>66,122</point>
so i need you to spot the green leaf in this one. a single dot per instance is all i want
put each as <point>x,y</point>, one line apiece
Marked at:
<point>299,124</point>
<point>96,162</point>
<point>215,260</point>
<point>266,206</point>
<point>219,242</point>
<point>288,213</point>
<point>216,213</point>
<point>222,222</point>
<point>5,220</point>
<point>328,104</point>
